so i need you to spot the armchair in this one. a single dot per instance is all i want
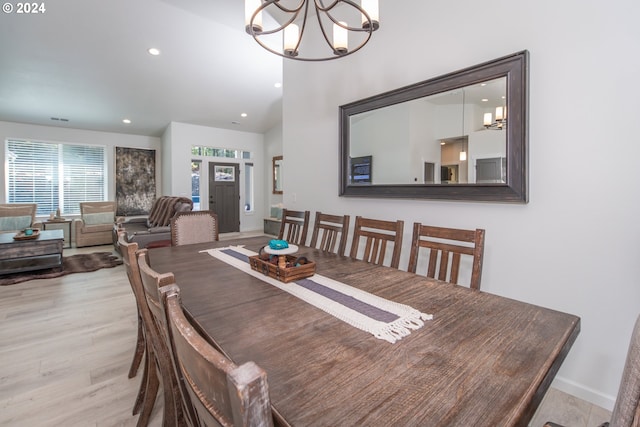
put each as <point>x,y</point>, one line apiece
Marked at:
<point>155,227</point>
<point>95,223</point>
<point>15,217</point>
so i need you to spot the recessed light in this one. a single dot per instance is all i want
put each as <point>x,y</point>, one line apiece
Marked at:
<point>485,100</point>
<point>127,121</point>
<point>153,51</point>
<point>278,85</point>
<point>243,115</point>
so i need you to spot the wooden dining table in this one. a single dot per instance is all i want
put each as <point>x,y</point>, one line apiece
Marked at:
<point>483,360</point>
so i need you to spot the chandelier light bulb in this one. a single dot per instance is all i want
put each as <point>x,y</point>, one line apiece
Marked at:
<point>250,6</point>
<point>340,38</point>
<point>371,7</point>
<point>487,119</point>
<point>291,39</point>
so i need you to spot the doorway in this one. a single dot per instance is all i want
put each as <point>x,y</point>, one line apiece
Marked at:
<point>224,195</point>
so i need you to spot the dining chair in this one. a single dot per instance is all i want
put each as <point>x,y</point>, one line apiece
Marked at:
<point>331,230</point>
<point>294,226</point>
<point>148,387</point>
<point>446,247</point>
<point>626,410</point>
<point>151,281</point>
<point>194,227</point>
<point>377,234</point>
<point>214,389</point>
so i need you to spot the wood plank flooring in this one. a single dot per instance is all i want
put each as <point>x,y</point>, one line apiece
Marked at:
<point>66,345</point>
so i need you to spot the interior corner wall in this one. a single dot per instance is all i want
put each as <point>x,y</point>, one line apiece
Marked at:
<point>182,136</point>
<point>70,135</point>
<point>272,148</point>
<point>573,247</point>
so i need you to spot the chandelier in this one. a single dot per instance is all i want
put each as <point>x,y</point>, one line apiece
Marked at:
<point>500,121</point>
<point>331,19</point>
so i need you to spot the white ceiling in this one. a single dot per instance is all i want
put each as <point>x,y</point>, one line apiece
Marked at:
<point>87,61</point>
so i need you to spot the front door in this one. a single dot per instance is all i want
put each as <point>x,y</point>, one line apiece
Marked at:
<point>224,195</point>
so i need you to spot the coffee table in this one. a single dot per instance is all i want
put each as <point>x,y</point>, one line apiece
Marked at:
<point>39,253</point>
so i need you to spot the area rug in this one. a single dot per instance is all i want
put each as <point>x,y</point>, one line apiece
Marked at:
<point>80,263</point>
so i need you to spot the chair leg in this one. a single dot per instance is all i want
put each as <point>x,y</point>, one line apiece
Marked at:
<point>137,406</point>
<point>139,350</point>
<point>151,387</point>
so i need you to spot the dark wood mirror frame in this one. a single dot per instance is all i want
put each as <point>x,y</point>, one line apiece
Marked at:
<point>276,175</point>
<point>515,68</point>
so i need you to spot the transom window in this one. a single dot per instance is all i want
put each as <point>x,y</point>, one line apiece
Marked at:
<point>54,175</point>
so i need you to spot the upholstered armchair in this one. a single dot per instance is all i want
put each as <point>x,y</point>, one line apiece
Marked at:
<point>95,223</point>
<point>15,217</point>
<point>154,228</point>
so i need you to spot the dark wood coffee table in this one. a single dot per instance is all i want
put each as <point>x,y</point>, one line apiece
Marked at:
<point>40,253</point>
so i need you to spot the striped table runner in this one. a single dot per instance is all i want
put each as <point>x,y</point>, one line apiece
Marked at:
<point>382,318</point>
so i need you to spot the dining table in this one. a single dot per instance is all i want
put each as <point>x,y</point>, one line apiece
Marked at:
<point>481,360</point>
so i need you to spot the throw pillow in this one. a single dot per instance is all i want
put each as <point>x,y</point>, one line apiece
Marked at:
<point>98,218</point>
<point>15,223</point>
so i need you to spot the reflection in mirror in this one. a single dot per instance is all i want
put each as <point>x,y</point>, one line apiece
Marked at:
<point>449,133</point>
<point>277,174</point>
<point>461,136</point>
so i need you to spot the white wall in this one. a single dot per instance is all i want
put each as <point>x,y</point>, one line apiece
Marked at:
<point>272,148</point>
<point>573,247</point>
<point>59,134</point>
<point>181,136</point>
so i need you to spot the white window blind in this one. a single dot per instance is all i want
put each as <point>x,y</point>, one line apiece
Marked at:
<point>55,176</point>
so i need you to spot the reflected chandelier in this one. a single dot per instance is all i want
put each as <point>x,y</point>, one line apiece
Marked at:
<point>499,123</point>
<point>292,33</point>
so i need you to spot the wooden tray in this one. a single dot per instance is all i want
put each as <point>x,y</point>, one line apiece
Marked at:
<point>22,236</point>
<point>285,275</point>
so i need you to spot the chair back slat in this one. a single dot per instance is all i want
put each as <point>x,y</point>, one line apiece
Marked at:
<point>218,391</point>
<point>377,235</point>
<point>448,245</point>
<point>294,227</point>
<point>332,231</point>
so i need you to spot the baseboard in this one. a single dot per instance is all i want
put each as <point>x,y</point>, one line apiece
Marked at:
<point>585,393</point>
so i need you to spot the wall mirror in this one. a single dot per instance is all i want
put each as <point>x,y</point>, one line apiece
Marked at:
<point>460,136</point>
<point>277,174</point>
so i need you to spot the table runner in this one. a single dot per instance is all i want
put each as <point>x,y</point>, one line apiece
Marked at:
<point>382,318</point>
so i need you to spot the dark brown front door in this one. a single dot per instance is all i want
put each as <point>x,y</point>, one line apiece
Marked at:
<point>224,195</point>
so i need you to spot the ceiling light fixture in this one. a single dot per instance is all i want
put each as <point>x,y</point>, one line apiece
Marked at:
<point>499,123</point>
<point>292,34</point>
<point>153,51</point>
<point>126,121</point>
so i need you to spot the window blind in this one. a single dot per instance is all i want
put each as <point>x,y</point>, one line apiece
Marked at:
<point>55,176</point>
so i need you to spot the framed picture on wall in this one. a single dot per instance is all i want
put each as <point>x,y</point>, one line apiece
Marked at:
<point>135,173</point>
<point>361,170</point>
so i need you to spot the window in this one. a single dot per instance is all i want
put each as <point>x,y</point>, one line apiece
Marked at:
<point>55,176</point>
<point>197,150</point>
<point>248,187</point>
<point>195,183</point>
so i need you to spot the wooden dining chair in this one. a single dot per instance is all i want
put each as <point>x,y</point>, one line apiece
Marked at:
<point>332,230</point>
<point>626,410</point>
<point>214,389</point>
<point>294,226</point>
<point>194,227</point>
<point>148,386</point>
<point>446,247</point>
<point>377,235</point>
<point>151,281</point>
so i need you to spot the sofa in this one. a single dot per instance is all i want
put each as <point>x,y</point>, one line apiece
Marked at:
<point>15,217</point>
<point>95,223</point>
<point>154,228</point>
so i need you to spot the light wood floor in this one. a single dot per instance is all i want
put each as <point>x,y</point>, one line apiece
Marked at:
<point>66,345</point>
